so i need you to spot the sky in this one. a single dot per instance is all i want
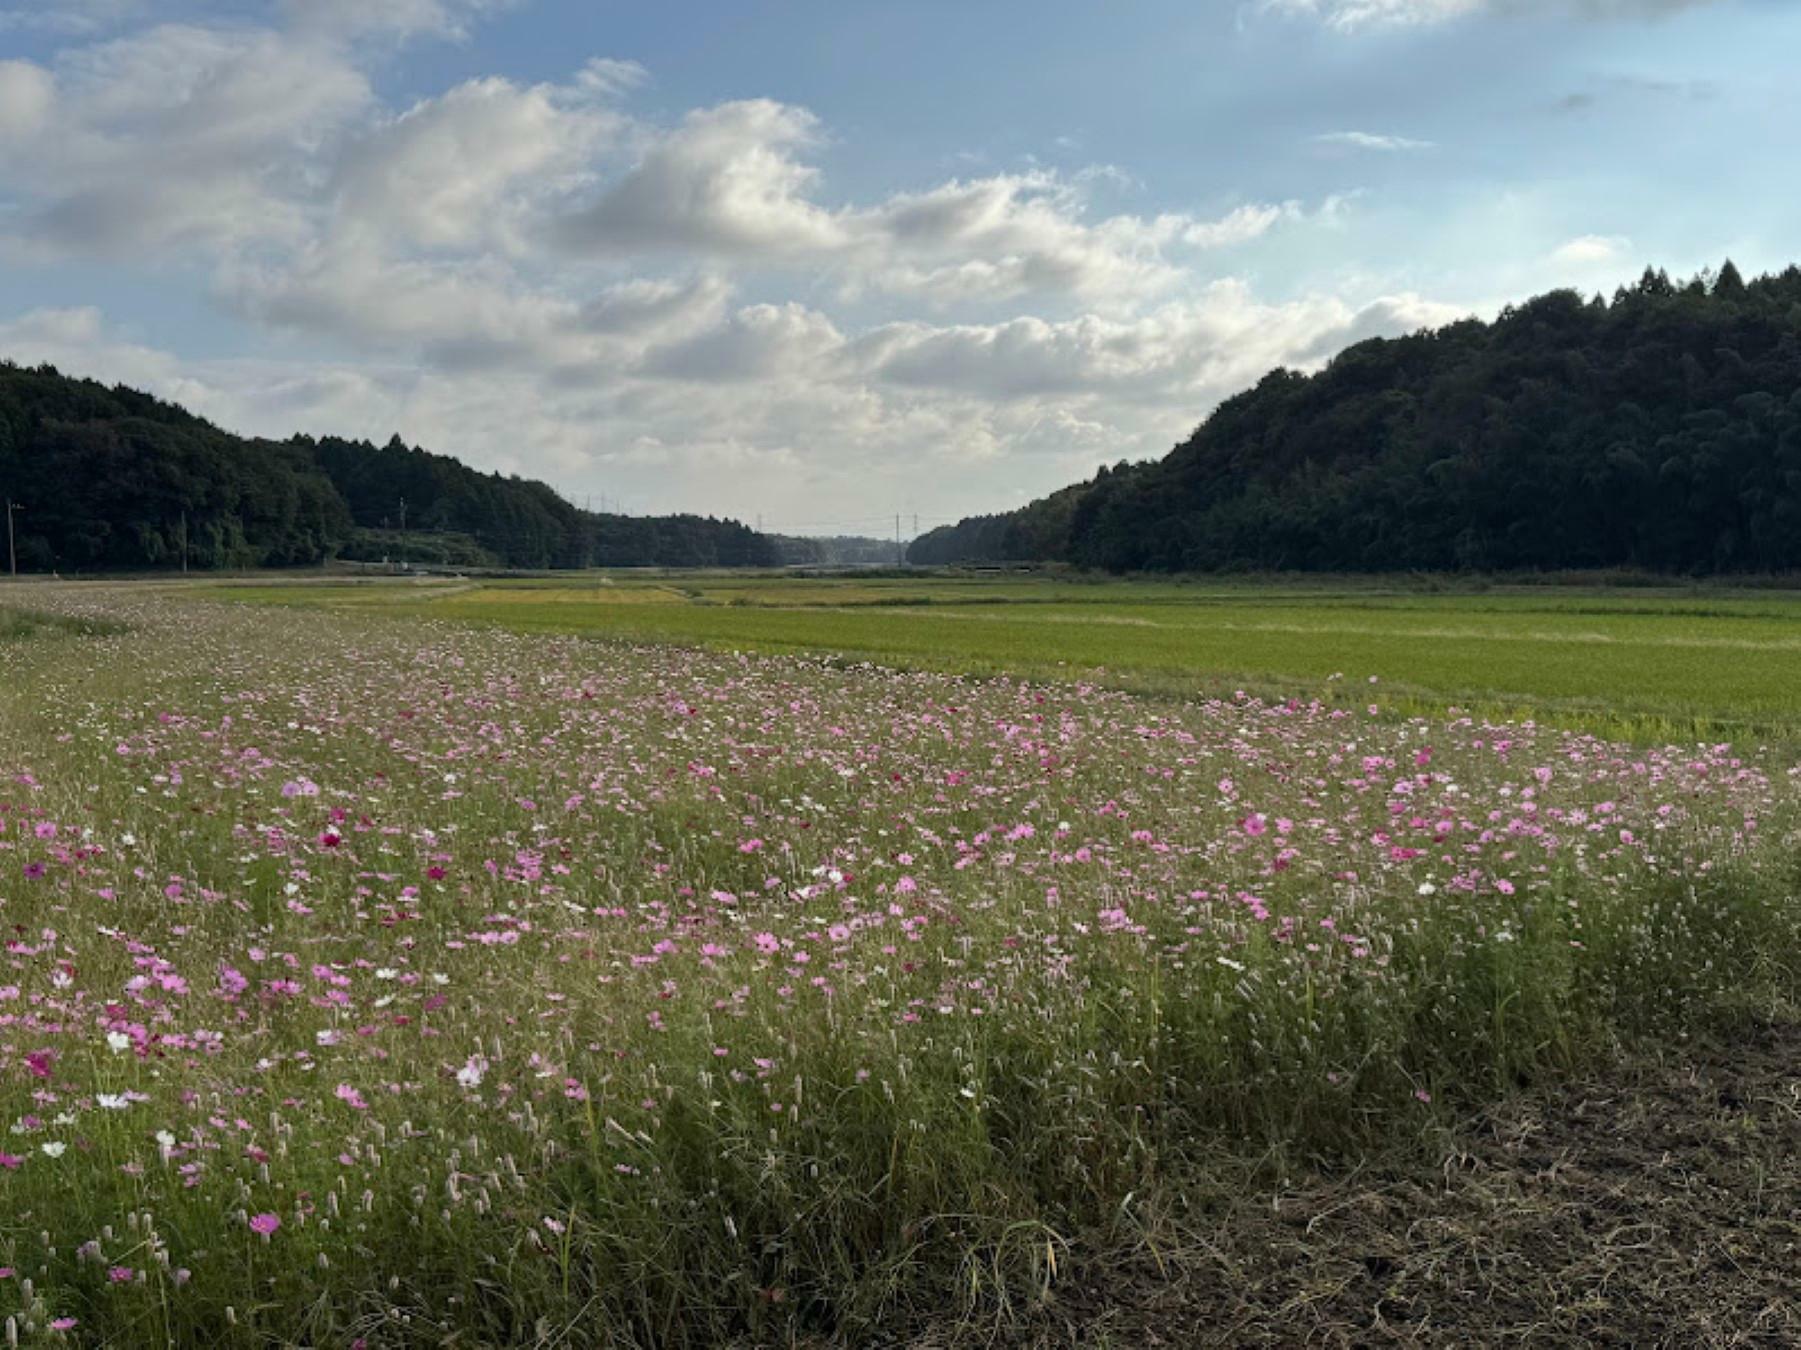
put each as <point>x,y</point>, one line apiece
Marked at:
<point>816,265</point>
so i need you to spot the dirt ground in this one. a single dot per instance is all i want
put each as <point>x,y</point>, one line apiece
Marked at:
<point>1656,1202</point>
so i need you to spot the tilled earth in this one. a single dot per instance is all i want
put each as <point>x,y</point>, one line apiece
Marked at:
<point>1653,1203</point>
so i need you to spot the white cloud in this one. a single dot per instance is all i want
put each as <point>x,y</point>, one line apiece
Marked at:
<point>731,182</point>
<point>1352,15</point>
<point>1364,140</point>
<point>1592,249</point>
<point>178,136</point>
<point>535,279</point>
<point>26,94</point>
<point>78,342</point>
<point>608,78</point>
<point>467,166</point>
<point>349,19</point>
<point>725,181</point>
<point>1239,226</point>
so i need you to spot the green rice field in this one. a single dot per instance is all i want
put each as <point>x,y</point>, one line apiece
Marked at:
<point>1650,663</point>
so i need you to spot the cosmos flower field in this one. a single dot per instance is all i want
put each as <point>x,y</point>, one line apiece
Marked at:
<point>369,980</point>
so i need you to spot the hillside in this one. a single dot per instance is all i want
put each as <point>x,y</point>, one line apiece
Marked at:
<point>1659,430</point>
<point>114,479</point>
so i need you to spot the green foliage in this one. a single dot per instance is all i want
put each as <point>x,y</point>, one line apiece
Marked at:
<point>1659,431</point>
<point>113,479</point>
<point>835,551</point>
<point>418,548</point>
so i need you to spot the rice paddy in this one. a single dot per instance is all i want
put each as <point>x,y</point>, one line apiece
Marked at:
<point>1651,664</point>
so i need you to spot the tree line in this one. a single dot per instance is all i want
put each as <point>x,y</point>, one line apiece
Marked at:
<point>115,479</point>
<point>1659,429</point>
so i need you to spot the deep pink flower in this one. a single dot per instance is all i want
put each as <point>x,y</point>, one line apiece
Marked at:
<point>264,1223</point>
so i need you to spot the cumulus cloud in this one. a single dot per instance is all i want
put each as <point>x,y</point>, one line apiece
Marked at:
<point>222,115</point>
<point>732,182</point>
<point>465,167</point>
<point>727,180</point>
<point>682,312</point>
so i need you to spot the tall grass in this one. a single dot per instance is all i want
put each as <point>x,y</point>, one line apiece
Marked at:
<point>394,982</point>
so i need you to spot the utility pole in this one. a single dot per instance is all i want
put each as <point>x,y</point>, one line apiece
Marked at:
<point>900,557</point>
<point>12,552</point>
<point>403,534</point>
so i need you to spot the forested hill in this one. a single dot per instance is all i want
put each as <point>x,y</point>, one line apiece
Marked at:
<point>1658,430</point>
<point>116,479</point>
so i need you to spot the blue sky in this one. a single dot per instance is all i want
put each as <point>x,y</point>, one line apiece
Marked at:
<point>820,263</point>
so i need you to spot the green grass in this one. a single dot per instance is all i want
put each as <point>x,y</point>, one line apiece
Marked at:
<point>19,624</point>
<point>1678,663</point>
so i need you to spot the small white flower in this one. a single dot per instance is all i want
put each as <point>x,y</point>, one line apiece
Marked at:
<point>118,1042</point>
<point>1427,888</point>
<point>470,1075</point>
<point>326,1037</point>
<point>112,1101</point>
<point>53,1148</point>
<point>1229,963</point>
<point>387,973</point>
<point>129,840</point>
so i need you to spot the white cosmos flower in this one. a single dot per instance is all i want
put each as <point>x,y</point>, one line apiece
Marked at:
<point>53,1148</point>
<point>112,1101</point>
<point>117,1041</point>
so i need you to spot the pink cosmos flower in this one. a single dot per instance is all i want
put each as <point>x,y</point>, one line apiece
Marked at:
<point>264,1224</point>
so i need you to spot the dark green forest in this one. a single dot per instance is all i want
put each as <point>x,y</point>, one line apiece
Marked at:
<point>116,480</point>
<point>1659,430</point>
